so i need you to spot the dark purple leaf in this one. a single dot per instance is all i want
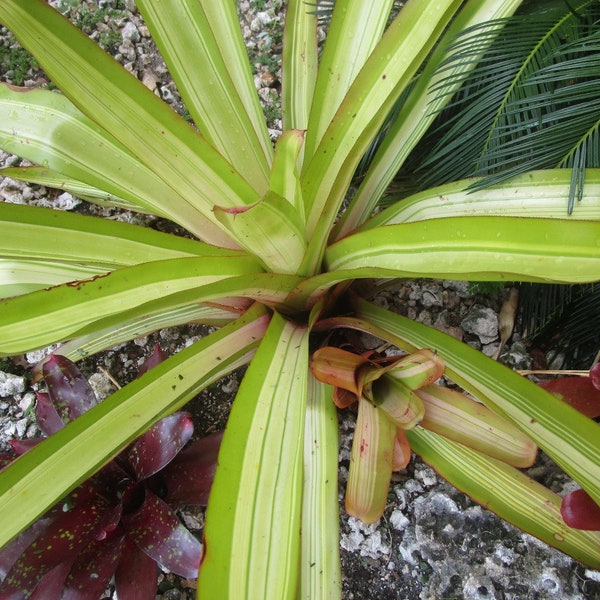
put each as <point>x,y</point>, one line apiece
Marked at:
<point>133,498</point>
<point>11,552</point>
<point>160,444</point>
<point>111,480</point>
<point>188,478</point>
<point>107,484</point>
<point>136,575</point>
<point>61,541</point>
<point>69,390</point>
<point>579,510</point>
<point>156,529</point>
<point>111,525</point>
<point>46,415</point>
<point>92,570</point>
<point>52,584</point>
<point>21,446</point>
<point>14,595</point>
<point>154,359</point>
<point>579,392</point>
<point>595,376</point>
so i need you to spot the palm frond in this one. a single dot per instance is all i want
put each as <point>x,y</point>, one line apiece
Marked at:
<point>561,318</point>
<point>532,102</point>
<point>365,161</point>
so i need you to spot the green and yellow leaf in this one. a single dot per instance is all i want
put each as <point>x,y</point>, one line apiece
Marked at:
<point>252,535</point>
<point>509,493</point>
<point>45,474</point>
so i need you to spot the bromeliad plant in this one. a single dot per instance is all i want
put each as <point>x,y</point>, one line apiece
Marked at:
<point>122,521</point>
<point>273,257</point>
<point>394,396</point>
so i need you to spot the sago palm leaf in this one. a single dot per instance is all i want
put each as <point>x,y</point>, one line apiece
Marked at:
<point>530,103</point>
<point>559,318</point>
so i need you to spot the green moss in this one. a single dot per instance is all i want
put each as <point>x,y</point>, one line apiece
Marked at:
<point>110,41</point>
<point>273,111</point>
<point>15,61</point>
<point>87,19</point>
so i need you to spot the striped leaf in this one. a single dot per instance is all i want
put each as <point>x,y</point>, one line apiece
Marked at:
<point>252,535</point>
<point>320,575</point>
<point>217,85</point>
<point>45,474</point>
<point>563,433</point>
<point>474,248</point>
<point>509,493</point>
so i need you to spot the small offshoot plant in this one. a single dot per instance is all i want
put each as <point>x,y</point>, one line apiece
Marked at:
<point>121,522</point>
<point>276,243</point>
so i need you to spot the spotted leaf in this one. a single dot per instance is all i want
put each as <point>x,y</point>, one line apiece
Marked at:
<point>155,528</point>
<point>11,552</point>
<point>52,584</point>
<point>61,541</point>
<point>68,389</point>
<point>46,415</point>
<point>160,444</point>
<point>188,478</point>
<point>92,570</point>
<point>136,574</point>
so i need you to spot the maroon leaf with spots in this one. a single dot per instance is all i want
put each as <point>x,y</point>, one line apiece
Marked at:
<point>61,541</point>
<point>52,584</point>
<point>108,483</point>
<point>68,388</point>
<point>155,528</point>
<point>136,574</point>
<point>11,552</point>
<point>579,511</point>
<point>189,477</point>
<point>91,572</point>
<point>155,449</point>
<point>119,521</point>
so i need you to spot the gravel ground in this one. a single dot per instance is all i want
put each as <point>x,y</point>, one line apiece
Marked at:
<point>432,541</point>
